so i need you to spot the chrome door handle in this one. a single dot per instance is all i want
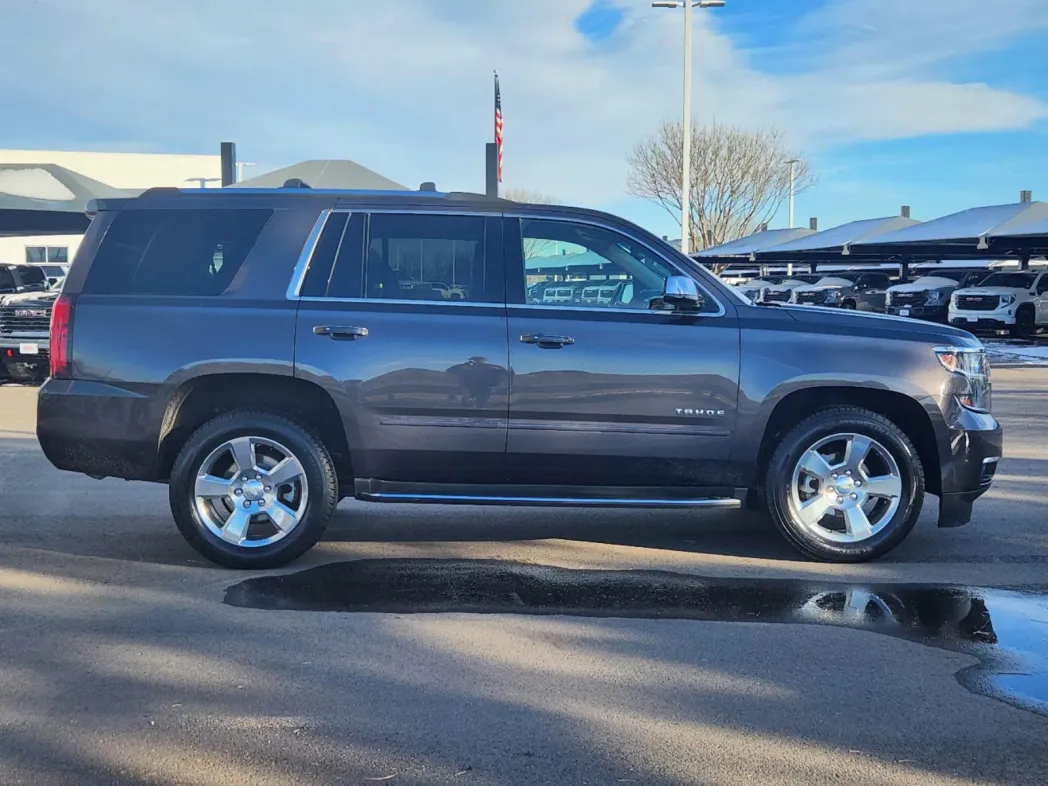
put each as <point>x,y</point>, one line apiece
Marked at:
<point>339,332</point>
<point>547,342</point>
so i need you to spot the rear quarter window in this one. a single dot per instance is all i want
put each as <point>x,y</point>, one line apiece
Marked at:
<point>174,252</point>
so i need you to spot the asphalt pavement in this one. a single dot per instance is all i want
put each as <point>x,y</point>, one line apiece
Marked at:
<point>517,646</point>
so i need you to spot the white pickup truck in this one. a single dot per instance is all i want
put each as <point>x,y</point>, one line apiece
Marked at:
<point>1016,301</point>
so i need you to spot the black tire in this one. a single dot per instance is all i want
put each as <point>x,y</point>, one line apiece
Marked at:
<point>319,473</point>
<point>845,419</point>
<point>848,305</point>
<point>1025,322</point>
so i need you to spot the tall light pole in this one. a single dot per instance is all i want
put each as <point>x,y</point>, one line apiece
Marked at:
<point>203,181</point>
<point>240,169</point>
<point>793,168</point>
<point>685,201</point>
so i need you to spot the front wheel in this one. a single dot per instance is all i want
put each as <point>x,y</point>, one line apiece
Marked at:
<point>845,485</point>
<point>1025,323</point>
<point>253,490</point>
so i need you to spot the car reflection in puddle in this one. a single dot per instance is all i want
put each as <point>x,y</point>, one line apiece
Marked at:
<point>1006,631</point>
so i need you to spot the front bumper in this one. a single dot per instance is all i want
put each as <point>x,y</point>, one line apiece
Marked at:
<point>976,446</point>
<point>1000,319</point>
<point>932,313</point>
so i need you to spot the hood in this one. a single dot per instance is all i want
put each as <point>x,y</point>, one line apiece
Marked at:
<point>924,285</point>
<point>864,323</point>
<point>42,299</point>
<point>994,291</point>
<point>820,288</point>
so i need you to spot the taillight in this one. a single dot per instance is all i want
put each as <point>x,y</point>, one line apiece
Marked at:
<point>62,337</point>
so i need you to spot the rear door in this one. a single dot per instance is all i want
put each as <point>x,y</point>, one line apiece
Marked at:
<point>609,392</point>
<point>403,319</point>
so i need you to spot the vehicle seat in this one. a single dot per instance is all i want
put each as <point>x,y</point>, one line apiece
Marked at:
<point>382,280</point>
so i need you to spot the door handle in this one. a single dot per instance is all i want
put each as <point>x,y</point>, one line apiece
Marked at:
<point>547,342</point>
<point>338,332</point>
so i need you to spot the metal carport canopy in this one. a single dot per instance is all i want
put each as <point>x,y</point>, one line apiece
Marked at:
<point>834,245</point>
<point>991,232</point>
<point>753,244</point>
<point>47,199</point>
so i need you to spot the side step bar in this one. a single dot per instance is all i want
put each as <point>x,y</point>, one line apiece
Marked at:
<point>371,490</point>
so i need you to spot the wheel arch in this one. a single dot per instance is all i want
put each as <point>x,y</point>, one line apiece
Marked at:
<point>905,411</point>
<point>202,398</point>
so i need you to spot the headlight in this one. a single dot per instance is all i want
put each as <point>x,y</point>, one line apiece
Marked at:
<point>1007,300</point>
<point>833,295</point>
<point>935,297</point>
<point>972,370</point>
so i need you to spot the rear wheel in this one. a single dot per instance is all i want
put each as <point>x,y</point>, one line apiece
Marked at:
<point>849,305</point>
<point>253,490</point>
<point>845,485</point>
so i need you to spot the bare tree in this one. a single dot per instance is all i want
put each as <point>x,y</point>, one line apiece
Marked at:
<point>533,247</point>
<point>739,178</point>
<point>527,195</point>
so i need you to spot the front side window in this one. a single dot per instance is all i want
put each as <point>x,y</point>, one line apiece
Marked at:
<point>1042,285</point>
<point>174,252</point>
<point>583,266</point>
<point>437,258</point>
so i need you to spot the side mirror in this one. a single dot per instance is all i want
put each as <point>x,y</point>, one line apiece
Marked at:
<point>682,293</point>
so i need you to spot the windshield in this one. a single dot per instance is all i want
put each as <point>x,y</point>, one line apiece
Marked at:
<point>836,281</point>
<point>1009,280</point>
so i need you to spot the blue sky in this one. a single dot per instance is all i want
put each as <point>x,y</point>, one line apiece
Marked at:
<point>939,104</point>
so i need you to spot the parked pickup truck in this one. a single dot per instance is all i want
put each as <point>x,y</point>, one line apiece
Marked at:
<point>265,354</point>
<point>25,321</point>
<point>928,297</point>
<point>1016,301</point>
<point>853,291</point>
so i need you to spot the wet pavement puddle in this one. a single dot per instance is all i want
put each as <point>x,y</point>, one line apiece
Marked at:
<point>1007,631</point>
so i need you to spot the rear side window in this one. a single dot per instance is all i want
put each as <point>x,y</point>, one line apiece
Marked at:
<point>32,276</point>
<point>174,252</point>
<point>425,257</point>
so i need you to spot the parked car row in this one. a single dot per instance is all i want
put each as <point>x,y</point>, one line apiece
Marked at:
<point>26,300</point>
<point>977,300</point>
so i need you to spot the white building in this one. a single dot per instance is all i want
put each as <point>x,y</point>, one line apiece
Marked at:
<point>133,171</point>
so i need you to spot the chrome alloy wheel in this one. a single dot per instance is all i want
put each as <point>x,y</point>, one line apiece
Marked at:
<point>845,488</point>
<point>251,492</point>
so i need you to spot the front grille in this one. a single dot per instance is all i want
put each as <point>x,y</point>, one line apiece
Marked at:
<point>25,319</point>
<point>909,298</point>
<point>811,297</point>
<point>777,296</point>
<point>978,302</point>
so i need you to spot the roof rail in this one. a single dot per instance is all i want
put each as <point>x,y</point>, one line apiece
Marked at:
<point>428,185</point>
<point>472,197</point>
<point>296,182</point>
<point>161,191</point>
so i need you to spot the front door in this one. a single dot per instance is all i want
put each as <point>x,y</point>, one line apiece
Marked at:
<point>606,391</point>
<point>1041,288</point>
<point>403,319</point>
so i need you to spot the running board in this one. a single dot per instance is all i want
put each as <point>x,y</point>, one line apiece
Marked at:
<point>370,490</point>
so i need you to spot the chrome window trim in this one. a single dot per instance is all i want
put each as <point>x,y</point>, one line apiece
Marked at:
<point>457,303</point>
<point>305,257</point>
<point>298,275</point>
<point>550,216</point>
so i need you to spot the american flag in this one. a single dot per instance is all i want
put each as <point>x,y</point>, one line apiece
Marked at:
<point>498,122</point>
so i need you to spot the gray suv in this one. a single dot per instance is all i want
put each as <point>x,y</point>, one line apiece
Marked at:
<point>268,353</point>
<point>851,290</point>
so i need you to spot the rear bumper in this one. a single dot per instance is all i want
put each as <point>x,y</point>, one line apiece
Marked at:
<point>97,429</point>
<point>976,446</point>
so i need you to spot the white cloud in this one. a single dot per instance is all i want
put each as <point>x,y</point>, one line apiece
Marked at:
<point>405,88</point>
